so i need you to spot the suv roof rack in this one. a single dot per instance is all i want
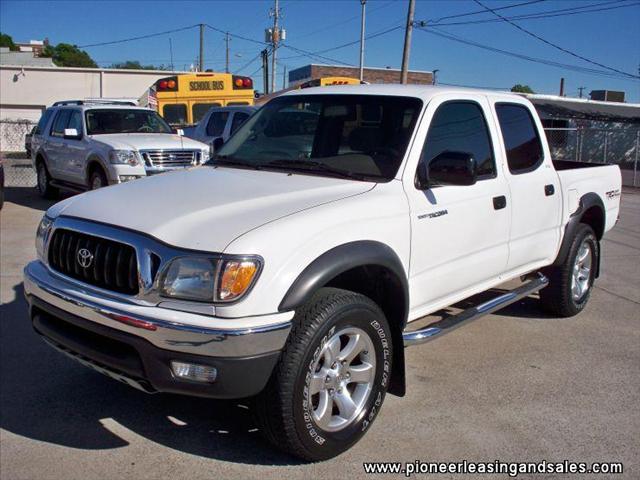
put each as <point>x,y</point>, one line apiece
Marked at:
<point>95,102</point>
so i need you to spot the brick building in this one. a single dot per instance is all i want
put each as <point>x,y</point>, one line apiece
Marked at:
<point>371,75</point>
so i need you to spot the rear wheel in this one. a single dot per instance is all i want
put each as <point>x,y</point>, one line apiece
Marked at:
<point>331,379</point>
<point>570,283</point>
<point>45,188</point>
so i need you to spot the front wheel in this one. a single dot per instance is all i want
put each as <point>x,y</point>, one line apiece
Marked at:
<point>570,283</point>
<point>97,180</point>
<point>331,379</point>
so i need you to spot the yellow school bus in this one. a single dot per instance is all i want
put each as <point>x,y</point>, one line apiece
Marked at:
<point>321,82</point>
<point>184,99</point>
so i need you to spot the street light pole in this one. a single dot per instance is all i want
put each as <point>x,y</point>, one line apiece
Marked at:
<point>202,47</point>
<point>364,9</point>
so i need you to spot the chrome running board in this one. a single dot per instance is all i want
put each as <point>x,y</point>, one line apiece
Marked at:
<point>448,324</point>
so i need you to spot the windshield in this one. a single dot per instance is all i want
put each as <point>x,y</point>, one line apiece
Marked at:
<point>359,136</point>
<point>121,120</point>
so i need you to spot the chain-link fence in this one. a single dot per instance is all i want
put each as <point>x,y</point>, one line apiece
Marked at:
<point>620,146</point>
<point>18,171</point>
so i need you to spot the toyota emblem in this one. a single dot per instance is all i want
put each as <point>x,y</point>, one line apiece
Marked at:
<point>84,258</point>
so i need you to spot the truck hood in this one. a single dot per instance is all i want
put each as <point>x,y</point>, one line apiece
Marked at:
<point>206,208</point>
<point>148,141</point>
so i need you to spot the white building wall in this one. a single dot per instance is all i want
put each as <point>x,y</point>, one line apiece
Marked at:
<point>26,91</point>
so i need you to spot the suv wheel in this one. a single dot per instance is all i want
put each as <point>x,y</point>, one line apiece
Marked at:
<point>570,284</point>
<point>331,379</point>
<point>44,181</point>
<point>97,180</point>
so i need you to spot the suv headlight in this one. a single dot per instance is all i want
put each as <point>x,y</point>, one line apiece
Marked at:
<point>209,279</point>
<point>123,157</point>
<point>42,234</point>
<point>205,155</point>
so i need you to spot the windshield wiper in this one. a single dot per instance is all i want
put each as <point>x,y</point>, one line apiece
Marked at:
<point>229,161</point>
<point>314,166</point>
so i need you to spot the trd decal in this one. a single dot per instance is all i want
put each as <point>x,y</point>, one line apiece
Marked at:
<point>613,194</point>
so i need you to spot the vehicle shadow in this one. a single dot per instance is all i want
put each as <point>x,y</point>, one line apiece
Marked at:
<point>47,397</point>
<point>30,198</point>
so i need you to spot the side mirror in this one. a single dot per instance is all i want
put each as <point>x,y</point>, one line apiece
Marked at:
<point>448,168</point>
<point>217,144</point>
<point>72,134</point>
<point>180,132</point>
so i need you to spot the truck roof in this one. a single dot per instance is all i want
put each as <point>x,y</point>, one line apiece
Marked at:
<point>424,92</point>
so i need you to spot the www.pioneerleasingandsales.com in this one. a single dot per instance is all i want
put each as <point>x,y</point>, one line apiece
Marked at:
<point>497,467</point>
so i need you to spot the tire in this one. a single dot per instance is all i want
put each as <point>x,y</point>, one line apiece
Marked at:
<point>567,294</point>
<point>289,411</point>
<point>44,186</point>
<point>97,179</point>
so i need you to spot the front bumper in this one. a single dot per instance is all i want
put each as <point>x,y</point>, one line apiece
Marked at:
<point>135,344</point>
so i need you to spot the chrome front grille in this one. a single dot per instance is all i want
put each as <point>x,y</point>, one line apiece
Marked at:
<point>170,158</point>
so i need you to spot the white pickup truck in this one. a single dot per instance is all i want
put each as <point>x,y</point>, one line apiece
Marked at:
<point>89,144</point>
<point>289,268</point>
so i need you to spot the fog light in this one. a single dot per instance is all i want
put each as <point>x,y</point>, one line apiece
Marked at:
<point>193,371</point>
<point>127,178</point>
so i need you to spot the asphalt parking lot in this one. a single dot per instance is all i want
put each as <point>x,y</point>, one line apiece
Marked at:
<point>514,386</point>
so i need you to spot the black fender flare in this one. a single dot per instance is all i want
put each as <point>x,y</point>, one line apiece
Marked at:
<point>341,259</point>
<point>586,202</point>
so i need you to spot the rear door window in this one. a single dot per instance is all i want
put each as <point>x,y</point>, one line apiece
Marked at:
<point>175,114</point>
<point>520,135</point>
<point>60,123</point>
<point>75,121</point>
<point>217,122</point>
<point>238,119</point>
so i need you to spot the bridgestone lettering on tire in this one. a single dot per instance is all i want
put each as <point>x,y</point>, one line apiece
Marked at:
<point>338,357</point>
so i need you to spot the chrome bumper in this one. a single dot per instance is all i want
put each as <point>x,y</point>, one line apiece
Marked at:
<point>167,329</point>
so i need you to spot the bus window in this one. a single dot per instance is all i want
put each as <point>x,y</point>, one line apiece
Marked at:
<point>175,113</point>
<point>217,122</point>
<point>199,109</point>
<point>229,104</point>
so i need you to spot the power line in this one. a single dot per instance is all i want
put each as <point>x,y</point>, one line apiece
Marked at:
<point>575,68</point>
<point>249,63</point>
<point>142,37</point>
<point>562,12</point>
<point>558,47</point>
<point>477,12</point>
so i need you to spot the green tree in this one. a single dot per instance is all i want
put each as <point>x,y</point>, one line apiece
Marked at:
<point>66,55</point>
<point>136,65</point>
<point>522,88</point>
<point>7,41</point>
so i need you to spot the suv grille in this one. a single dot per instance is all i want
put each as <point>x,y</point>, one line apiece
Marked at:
<point>104,263</point>
<point>170,158</point>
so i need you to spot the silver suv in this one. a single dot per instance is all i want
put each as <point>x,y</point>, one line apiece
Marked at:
<point>81,145</point>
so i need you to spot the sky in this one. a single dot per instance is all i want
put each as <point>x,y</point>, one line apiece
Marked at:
<point>609,36</point>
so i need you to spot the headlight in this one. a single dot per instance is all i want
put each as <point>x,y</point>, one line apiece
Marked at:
<point>205,155</point>
<point>208,279</point>
<point>42,234</point>
<point>123,157</point>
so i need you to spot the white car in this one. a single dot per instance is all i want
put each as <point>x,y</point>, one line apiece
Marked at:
<point>220,123</point>
<point>85,145</point>
<point>291,267</point>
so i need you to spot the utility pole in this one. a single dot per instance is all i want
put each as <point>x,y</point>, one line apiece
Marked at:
<point>364,10</point>
<point>562,87</point>
<point>202,47</point>
<point>275,37</point>
<point>284,77</point>
<point>581,89</point>
<point>265,70</point>
<point>407,42</point>
<point>226,39</point>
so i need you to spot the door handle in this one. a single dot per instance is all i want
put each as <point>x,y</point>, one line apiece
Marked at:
<point>499,202</point>
<point>549,190</point>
